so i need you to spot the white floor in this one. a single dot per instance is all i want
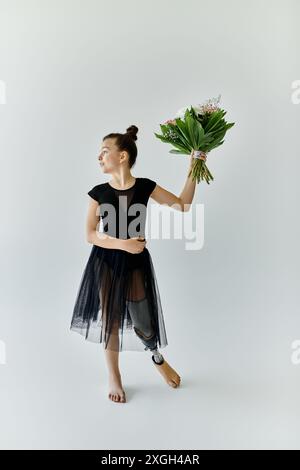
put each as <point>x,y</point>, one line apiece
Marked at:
<point>233,395</point>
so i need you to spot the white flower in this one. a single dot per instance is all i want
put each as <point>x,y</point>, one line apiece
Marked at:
<point>197,108</point>
<point>181,112</point>
<point>210,104</point>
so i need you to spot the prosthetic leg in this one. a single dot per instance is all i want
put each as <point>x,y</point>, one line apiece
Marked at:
<point>141,319</point>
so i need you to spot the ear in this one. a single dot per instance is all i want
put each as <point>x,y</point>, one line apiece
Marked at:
<point>124,156</point>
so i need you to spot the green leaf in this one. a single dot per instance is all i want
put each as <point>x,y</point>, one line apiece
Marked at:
<point>182,131</point>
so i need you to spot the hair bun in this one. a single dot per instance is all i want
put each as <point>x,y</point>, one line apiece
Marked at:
<point>132,131</point>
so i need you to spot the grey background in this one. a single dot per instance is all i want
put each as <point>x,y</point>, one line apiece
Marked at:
<point>75,71</point>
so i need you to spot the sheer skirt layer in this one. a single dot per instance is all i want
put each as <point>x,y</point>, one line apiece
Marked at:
<point>118,302</point>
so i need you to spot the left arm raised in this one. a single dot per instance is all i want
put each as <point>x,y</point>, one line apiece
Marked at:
<point>183,201</point>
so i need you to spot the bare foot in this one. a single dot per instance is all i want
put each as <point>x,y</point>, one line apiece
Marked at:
<point>116,392</point>
<point>169,374</point>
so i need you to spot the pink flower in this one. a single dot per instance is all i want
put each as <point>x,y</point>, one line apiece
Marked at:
<point>170,121</point>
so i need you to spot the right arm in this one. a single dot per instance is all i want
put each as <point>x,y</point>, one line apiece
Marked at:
<point>103,240</point>
<point>95,237</point>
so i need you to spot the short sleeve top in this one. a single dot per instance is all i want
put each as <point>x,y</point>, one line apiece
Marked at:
<point>132,206</point>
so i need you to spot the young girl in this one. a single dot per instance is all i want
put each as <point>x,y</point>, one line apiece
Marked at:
<point>118,301</point>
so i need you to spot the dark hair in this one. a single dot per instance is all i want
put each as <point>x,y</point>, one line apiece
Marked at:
<point>126,142</point>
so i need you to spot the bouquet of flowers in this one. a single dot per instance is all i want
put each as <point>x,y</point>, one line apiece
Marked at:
<point>196,131</point>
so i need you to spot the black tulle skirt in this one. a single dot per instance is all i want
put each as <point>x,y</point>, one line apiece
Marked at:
<point>118,302</point>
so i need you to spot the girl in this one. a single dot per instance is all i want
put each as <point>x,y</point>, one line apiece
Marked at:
<point>118,302</point>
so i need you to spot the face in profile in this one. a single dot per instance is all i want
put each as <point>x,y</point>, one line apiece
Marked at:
<point>109,157</point>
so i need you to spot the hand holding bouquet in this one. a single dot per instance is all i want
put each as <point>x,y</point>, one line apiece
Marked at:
<point>196,131</point>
